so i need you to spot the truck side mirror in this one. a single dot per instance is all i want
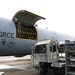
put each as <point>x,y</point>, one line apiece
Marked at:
<point>32,50</point>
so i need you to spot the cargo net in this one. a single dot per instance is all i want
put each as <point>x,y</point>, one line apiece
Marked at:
<point>26,31</point>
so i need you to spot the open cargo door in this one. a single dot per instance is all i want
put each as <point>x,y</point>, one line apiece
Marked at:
<point>26,17</point>
<point>24,21</point>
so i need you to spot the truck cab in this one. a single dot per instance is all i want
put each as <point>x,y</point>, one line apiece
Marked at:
<point>45,56</point>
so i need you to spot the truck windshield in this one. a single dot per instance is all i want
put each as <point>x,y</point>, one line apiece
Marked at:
<point>40,49</point>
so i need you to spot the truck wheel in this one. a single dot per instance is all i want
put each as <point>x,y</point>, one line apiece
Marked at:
<point>43,71</point>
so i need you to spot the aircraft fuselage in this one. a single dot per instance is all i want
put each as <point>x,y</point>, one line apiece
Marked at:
<point>17,37</point>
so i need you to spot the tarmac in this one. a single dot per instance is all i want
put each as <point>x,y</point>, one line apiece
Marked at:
<point>18,66</point>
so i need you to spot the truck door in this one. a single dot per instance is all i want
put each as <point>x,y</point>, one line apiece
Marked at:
<point>40,54</point>
<point>54,54</point>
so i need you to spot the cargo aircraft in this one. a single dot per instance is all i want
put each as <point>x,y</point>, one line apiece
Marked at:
<point>18,35</point>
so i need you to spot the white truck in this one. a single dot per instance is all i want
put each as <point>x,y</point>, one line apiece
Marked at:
<point>45,57</point>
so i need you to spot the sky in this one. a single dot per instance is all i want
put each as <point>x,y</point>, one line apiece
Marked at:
<point>59,14</point>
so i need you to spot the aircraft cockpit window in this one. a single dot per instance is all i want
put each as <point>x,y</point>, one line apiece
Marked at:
<point>24,31</point>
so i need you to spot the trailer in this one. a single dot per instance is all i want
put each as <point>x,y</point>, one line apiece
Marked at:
<point>70,57</point>
<point>45,57</point>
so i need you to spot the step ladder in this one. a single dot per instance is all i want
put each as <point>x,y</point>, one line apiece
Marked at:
<point>54,53</point>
